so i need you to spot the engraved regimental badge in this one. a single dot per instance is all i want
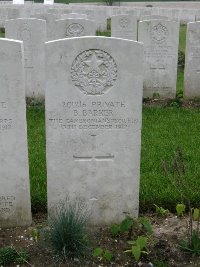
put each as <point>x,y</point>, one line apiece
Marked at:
<point>159,33</point>
<point>124,22</point>
<point>94,72</point>
<point>74,30</point>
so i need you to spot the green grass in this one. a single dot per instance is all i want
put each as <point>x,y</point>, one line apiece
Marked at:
<point>180,82</point>
<point>182,37</point>
<point>37,161</point>
<point>2,33</point>
<point>163,130</point>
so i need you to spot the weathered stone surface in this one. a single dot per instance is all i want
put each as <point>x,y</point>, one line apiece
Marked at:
<point>67,28</point>
<point>50,23</point>
<point>33,34</point>
<point>124,26</point>
<point>15,206</point>
<point>93,124</point>
<point>192,61</point>
<point>160,40</point>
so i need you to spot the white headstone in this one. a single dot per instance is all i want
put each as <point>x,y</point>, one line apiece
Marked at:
<point>93,124</point>
<point>74,16</point>
<point>100,17</point>
<point>33,33</point>
<point>152,17</point>
<point>192,61</point>
<point>160,40</point>
<point>67,28</point>
<point>18,2</point>
<point>124,26</point>
<point>15,205</point>
<point>48,2</point>
<point>50,23</point>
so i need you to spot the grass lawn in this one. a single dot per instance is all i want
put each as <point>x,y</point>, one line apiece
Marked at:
<point>37,160</point>
<point>182,37</point>
<point>163,130</point>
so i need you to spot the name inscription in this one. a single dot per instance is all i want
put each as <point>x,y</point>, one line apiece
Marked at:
<point>93,115</point>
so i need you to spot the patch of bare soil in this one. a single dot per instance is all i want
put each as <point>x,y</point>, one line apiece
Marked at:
<point>167,235</point>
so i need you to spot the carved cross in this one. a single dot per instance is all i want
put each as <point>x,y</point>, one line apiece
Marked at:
<point>93,155</point>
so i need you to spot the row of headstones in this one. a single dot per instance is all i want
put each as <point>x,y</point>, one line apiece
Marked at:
<point>93,127</point>
<point>160,38</point>
<point>99,13</point>
<point>21,2</point>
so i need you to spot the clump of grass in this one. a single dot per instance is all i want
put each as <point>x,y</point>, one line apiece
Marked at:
<point>10,255</point>
<point>67,234</point>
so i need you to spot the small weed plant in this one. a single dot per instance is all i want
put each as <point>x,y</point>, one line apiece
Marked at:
<point>140,246</point>
<point>180,209</point>
<point>126,226</point>
<point>67,234</point>
<point>160,211</point>
<point>177,102</point>
<point>102,254</point>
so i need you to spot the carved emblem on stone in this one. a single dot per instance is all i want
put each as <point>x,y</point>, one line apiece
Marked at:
<point>159,33</point>
<point>124,22</point>
<point>94,72</point>
<point>74,30</point>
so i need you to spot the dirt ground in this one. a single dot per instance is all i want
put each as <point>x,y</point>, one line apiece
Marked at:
<point>167,233</point>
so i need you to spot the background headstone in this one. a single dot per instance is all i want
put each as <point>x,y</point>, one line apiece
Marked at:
<point>15,205</point>
<point>67,28</point>
<point>48,2</point>
<point>192,61</point>
<point>152,17</point>
<point>73,16</point>
<point>33,34</point>
<point>50,23</point>
<point>18,2</point>
<point>160,40</point>
<point>124,26</point>
<point>93,124</point>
